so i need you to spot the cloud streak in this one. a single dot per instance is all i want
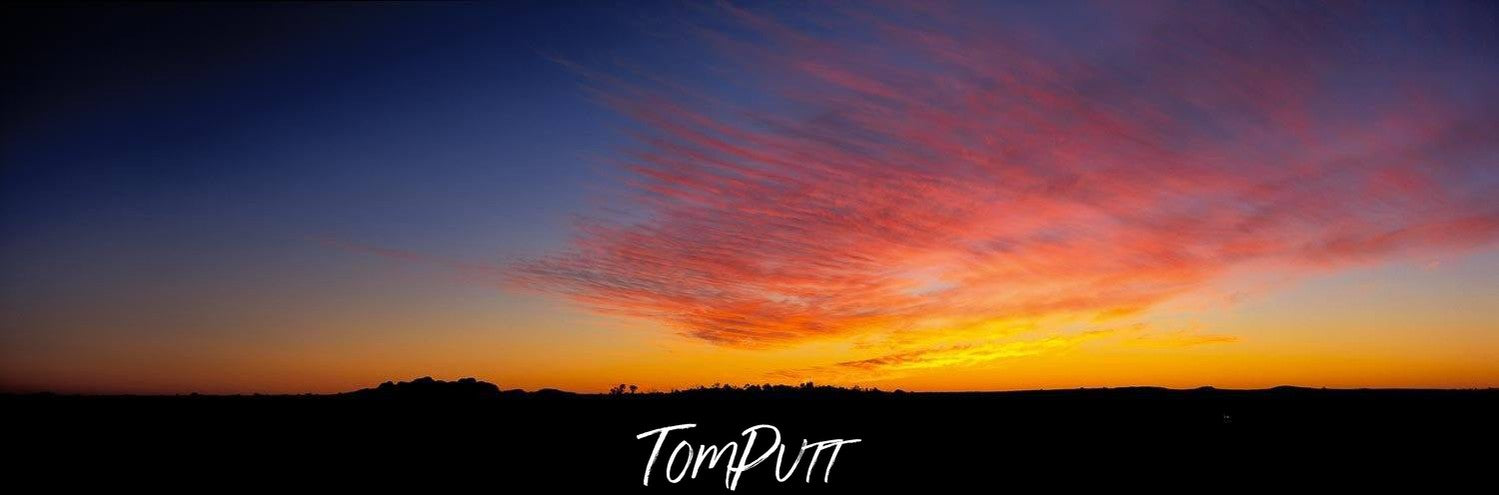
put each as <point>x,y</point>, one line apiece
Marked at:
<point>927,167</point>
<point>897,364</point>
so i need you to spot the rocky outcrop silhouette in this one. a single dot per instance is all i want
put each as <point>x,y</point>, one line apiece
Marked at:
<point>427,388</point>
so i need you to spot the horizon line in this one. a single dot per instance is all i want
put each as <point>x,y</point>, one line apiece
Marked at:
<point>743,387</point>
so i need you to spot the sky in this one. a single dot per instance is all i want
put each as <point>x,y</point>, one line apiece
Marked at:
<point>287,198</point>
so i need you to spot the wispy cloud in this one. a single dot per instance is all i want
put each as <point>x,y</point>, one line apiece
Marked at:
<point>1179,339</point>
<point>967,354</point>
<point>933,168</point>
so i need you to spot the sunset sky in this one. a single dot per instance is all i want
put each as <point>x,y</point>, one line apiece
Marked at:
<point>928,195</point>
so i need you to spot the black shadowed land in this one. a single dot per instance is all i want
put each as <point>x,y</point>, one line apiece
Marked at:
<point>922,441</point>
<point>428,388</point>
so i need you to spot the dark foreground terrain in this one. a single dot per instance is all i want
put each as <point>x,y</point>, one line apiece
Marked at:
<point>436,436</point>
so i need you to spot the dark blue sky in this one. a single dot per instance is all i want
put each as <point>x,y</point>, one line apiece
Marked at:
<point>381,124</point>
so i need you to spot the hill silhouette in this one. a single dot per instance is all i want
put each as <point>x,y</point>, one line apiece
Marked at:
<point>427,388</point>
<point>920,441</point>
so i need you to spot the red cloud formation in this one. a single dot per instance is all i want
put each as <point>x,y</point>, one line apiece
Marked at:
<point>922,169</point>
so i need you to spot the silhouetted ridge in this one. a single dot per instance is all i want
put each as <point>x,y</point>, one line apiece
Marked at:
<point>547,392</point>
<point>426,388</point>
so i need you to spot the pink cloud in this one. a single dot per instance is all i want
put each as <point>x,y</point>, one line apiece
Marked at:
<point>964,168</point>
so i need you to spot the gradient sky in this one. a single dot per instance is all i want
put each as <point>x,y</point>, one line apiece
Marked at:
<point>933,196</point>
